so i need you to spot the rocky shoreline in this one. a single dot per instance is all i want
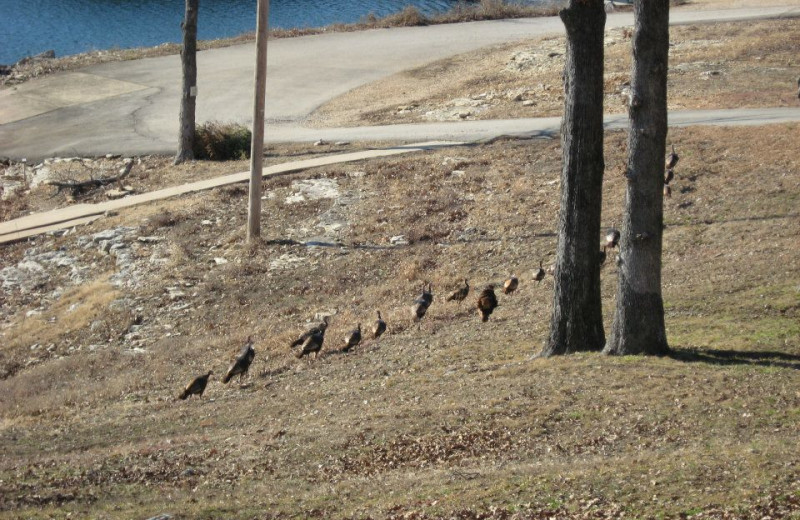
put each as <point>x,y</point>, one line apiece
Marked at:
<point>16,72</point>
<point>46,63</point>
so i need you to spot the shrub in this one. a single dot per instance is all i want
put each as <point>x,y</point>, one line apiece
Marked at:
<point>493,10</point>
<point>408,17</point>
<point>215,141</point>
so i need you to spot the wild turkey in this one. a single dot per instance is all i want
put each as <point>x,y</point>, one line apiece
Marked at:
<point>427,294</point>
<point>310,332</point>
<point>539,274</point>
<point>487,302</point>
<point>421,304</point>
<point>313,343</point>
<point>510,285</point>
<point>670,176</point>
<point>612,238</point>
<point>672,159</point>
<point>197,386</point>
<point>352,339</point>
<point>603,255</point>
<point>418,310</point>
<point>460,293</point>
<point>242,362</point>
<point>379,327</point>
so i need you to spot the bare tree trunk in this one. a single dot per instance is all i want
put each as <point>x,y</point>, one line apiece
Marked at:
<point>638,326</point>
<point>577,320</point>
<point>189,96</point>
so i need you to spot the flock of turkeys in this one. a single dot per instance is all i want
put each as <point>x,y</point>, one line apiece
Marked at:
<point>310,341</point>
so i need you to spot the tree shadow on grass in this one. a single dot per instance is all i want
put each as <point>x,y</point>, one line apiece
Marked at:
<point>736,357</point>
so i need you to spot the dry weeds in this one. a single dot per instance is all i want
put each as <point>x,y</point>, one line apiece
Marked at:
<point>451,421</point>
<point>728,65</point>
<point>148,174</point>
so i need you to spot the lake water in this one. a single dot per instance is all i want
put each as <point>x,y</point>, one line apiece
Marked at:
<point>29,27</point>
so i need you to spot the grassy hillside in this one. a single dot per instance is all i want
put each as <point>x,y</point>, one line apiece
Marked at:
<point>455,419</point>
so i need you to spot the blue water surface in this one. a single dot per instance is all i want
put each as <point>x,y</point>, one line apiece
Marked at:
<point>28,27</point>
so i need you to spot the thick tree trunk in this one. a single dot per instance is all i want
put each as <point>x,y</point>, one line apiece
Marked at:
<point>577,319</point>
<point>638,326</point>
<point>189,96</point>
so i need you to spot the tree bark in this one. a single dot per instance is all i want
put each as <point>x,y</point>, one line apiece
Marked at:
<point>577,319</point>
<point>189,96</point>
<point>638,326</point>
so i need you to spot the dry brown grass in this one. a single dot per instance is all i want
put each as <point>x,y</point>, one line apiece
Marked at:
<point>451,421</point>
<point>13,207</point>
<point>152,173</point>
<point>455,419</point>
<point>74,310</point>
<point>728,65</point>
<point>492,10</point>
<point>408,17</point>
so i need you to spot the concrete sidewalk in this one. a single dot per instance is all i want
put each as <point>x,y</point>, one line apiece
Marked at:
<point>441,134</point>
<point>80,214</point>
<point>132,107</point>
<point>479,130</point>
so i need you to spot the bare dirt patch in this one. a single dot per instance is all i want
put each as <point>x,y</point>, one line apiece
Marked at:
<point>452,420</point>
<point>728,65</point>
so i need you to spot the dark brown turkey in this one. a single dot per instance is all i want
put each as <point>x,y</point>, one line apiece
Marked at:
<point>672,159</point>
<point>487,302</point>
<point>310,332</point>
<point>197,386</point>
<point>427,294</point>
<point>418,310</point>
<point>539,274</point>
<point>379,327</point>
<point>669,176</point>
<point>612,238</point>
<point>312,344</point>
<point>510,285</point>
<point>421,304</point>
<point>242,362</point>
<point>459,294</point>
<point>352,339</point>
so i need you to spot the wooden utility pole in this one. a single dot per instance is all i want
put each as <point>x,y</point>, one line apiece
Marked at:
<point>257,145</point>
<point>189,94</point>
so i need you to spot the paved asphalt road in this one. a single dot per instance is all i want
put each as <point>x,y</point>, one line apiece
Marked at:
<point>132,107</point>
